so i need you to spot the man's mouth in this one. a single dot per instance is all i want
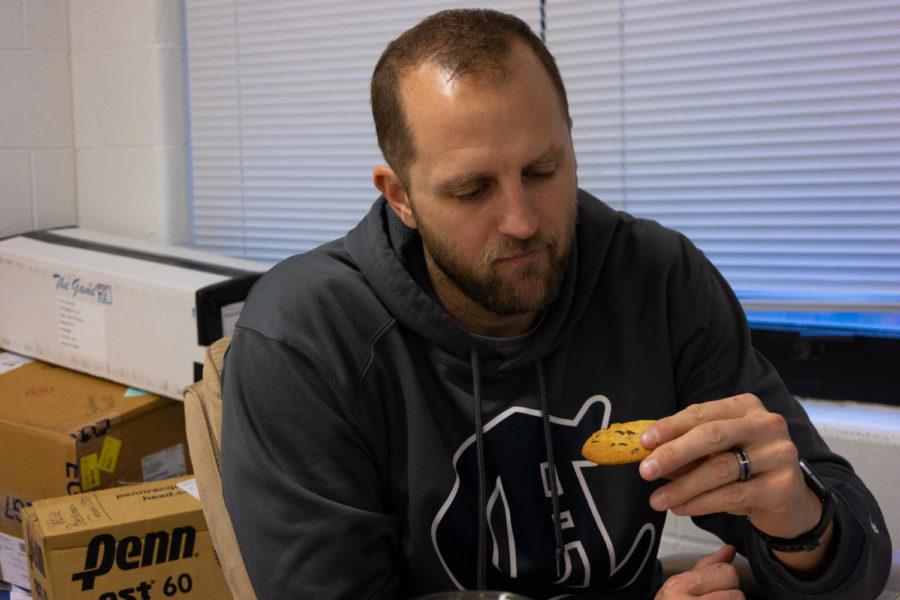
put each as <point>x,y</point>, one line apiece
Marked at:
<point>521,259</point>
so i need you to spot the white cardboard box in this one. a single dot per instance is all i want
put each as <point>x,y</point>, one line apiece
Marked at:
<point>130,311</point>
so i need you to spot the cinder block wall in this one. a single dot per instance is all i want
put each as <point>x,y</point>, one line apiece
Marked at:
<point>37,157</point>
<point>92,118</point>
<point>128,107</point>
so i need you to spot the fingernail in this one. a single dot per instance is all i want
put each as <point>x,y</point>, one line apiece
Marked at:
<point>658,500</point>
<point>649,438</point>
<point>649,468</point>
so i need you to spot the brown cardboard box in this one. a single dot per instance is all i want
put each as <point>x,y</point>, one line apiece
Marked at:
<point>144,541</point>
<point>63,432</point>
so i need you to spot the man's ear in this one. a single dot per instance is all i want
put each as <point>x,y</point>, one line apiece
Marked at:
<point>392,188</point>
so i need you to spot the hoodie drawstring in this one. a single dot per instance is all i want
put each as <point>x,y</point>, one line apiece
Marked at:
<point>551,470</point>
<point>482,476</point>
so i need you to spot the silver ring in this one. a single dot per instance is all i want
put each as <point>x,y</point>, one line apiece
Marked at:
<point>743,463</point>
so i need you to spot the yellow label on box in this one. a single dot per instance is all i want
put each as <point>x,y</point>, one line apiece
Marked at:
<point>90,472</point>
<point>109,454</point>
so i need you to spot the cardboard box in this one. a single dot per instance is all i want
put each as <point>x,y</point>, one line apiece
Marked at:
<point>131,311</point>
<point>63,432</point>
<point>147,541</point>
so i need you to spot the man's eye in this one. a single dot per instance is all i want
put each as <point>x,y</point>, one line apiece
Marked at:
<point>469,196</point>
<point>541,174</point>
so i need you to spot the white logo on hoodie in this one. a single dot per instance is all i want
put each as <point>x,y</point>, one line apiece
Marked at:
<point>607,553</point>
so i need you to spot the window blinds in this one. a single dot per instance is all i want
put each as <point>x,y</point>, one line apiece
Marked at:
<point>767,131</point>
<point>282,138</point>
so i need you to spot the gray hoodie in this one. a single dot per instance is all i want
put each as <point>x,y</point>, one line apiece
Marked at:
<point>373,448</point>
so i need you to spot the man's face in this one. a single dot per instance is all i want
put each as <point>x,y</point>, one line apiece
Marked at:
<point>492,190</point>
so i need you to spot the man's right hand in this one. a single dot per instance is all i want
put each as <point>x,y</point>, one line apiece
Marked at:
<point>712,578</point>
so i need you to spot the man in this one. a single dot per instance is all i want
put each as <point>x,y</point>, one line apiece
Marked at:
<point>404,408</point>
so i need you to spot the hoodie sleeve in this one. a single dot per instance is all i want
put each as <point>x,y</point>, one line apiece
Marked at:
<point>715,359</point>
<point>299,484</point>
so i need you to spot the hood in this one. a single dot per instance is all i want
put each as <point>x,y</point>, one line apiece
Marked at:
<point>389,254</point>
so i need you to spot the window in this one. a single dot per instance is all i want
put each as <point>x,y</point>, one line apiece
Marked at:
<point>282,139</point>
<point>768,131</point>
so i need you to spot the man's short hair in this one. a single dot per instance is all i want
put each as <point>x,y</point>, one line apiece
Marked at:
<point>461,41</point>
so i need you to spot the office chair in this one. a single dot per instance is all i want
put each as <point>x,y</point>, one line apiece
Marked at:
<point>203,422</point>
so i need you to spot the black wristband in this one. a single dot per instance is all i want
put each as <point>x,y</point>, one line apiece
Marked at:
<point>809,540</point>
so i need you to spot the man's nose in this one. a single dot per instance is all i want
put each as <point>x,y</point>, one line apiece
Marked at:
<point>517,215</point>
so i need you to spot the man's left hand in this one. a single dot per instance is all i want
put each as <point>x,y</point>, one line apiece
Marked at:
<point>695,449</point>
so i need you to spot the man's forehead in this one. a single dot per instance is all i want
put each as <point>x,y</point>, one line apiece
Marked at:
<point>535,155</point>
<point>458,174</point>
<point>427,78</point>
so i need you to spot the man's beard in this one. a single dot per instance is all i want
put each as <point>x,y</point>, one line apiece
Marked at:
<point>502,293</point>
